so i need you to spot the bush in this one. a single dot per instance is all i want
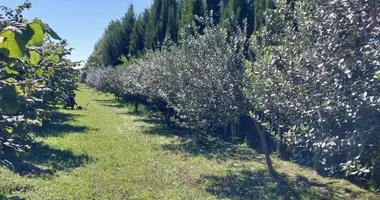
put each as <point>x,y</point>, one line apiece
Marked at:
<point>314,78</point>
<point>201,78</point>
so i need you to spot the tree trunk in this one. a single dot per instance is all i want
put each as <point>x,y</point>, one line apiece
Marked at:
<point>232,131</point>
<point>281,146</point>
<point>264,145</point>
<point>136,106</point>
<point>225,131</point>
<point>167,117</point>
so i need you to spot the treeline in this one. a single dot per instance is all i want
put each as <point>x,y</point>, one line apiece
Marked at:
<point>35,73</point>
<point>311,84</point>
<point>128,37</point>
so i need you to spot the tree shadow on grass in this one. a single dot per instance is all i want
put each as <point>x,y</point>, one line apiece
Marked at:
<point>37,158</point>
<point>113,105</point>
<point>41,159</point>
<point>57,130</point>
<point>213,149</point>
<point>2,197</point>
<point>110,103</point>
<point>131,112</point>
<point>259,185</point>
<point>59,117</point>
<point>57,126</point>
<point>105,100</point>
<point>195,144</point>
<point>153,119</point>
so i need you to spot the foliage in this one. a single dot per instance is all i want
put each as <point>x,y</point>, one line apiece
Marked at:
<point>34,73</point>
<point>314,78</point>
<point>201,78</point>
<point>132,35</point>
<point>312,66</point>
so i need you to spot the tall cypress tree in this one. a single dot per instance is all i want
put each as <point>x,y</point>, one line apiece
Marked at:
<point>270,4</point>
<point>150,34</point>
<point>199,10</point>
<point>137,44</point>
<point>164,19</point>
<point>187,14</point>
<point>250,18</point>
<point>172,25</point>
<point>259,8</point>
<point>110,47</point>
<point>128,22</point>
<point>215,6</point>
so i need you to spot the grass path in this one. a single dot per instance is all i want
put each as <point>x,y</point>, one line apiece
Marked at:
<point>105,152</point>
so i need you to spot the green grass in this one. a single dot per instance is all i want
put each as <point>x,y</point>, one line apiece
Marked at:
<point>107,152</point>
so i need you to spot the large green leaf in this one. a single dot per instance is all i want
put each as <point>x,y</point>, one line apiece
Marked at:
<point>12,45</point>
<point>35,31</point>
<point>34,57</point>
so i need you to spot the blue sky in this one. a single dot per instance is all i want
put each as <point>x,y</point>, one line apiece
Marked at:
<point>80,22</point>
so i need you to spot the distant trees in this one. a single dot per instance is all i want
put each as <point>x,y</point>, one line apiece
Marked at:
<point>200,79</point>
<point>165,19</point>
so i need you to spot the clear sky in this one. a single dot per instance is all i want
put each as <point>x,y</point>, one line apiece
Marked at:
<point>80,22</point>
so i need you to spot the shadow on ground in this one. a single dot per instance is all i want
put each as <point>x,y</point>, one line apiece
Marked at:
<point>245,184</point>
<point>41,159</point>
<point>195,144</point>
<point>259,185</point>
<point>59,117</point>
<point>37,158</point>
<point>2,197</point>
<point>110,103</point>
<point>129,107</point>
<point>57,126</point>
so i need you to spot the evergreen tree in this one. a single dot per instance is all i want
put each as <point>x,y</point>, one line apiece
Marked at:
<point>130,36</point>
<point>259,9</point>
<point>127,28</point>
<point>111,45</point>
<point>270,4</point>
<point>136,44</point>
<point>187,14</point>
<point>172,25</point>
<point>149,36</point>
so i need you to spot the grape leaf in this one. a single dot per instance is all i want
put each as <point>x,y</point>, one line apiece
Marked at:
<point>36,31</point>
<point>12,46</point>
<point>9,129</point>
<point>10,71</point>
<point>34,57</point>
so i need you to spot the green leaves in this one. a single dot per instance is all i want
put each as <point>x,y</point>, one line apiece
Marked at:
<point>377,75</point>
<point>36,31</point>
<point>12,45</point>
<point>10,71</point>
<point>32,75</point>
<point>9,129</point>
<point>9,103</point>
<point>34,57</point>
